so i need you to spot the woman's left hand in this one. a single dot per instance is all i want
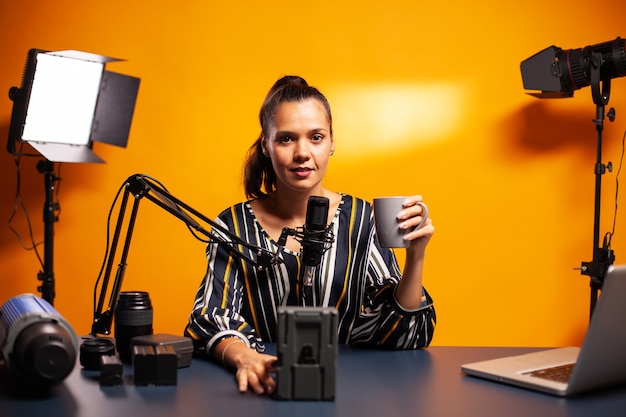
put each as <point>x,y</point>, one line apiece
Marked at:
<point>411,216</point>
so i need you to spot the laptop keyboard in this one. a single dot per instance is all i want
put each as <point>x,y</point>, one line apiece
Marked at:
<point>557,373</point>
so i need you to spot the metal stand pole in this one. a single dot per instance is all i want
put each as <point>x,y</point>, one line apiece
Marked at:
<point>603,256</point>
<point>50,209</point>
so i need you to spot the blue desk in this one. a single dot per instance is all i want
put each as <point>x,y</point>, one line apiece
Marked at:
<point>369,383</point>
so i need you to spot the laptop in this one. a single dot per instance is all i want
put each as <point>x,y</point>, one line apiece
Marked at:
<point>599,363</point>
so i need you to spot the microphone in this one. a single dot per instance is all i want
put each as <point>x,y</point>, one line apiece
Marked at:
<point>314,240</point>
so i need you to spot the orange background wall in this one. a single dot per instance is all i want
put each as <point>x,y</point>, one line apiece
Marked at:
<point>427,98</point>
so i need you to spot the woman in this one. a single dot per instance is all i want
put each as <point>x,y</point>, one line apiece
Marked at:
<point>235,307</point>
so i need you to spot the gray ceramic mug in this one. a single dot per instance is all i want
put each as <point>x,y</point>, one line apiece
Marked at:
<point>386,210</point>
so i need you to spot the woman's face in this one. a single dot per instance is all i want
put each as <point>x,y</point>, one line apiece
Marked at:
<point>299,144</point>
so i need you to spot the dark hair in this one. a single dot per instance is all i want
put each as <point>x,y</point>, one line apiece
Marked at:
<point>259,175</point>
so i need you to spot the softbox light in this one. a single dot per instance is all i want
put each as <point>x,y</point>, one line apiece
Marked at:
<point>67,101</point>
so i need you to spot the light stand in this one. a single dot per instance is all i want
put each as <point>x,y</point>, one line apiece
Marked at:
<point>557,73</point>
<point>603,256</point>
<point>67,101</point>
<point>140,187</point>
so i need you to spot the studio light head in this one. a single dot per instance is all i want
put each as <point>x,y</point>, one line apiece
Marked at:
<point>67,101</point>
<point>36,343</point>
<point>555,73</point>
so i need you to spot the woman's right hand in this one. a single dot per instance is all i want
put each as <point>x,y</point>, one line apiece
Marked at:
<point>253,369</point>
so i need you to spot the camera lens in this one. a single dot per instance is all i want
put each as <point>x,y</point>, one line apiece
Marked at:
<point>92,349</point>
<point>133,317</point>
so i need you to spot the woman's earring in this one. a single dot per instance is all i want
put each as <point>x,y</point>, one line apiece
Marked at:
<point>332,152</point>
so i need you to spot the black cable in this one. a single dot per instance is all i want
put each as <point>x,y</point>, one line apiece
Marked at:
<point>19,202</point>
<point>609,236</point>
<point>107,248</point>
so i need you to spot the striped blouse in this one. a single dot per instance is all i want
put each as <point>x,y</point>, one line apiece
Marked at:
<point>355,275</point>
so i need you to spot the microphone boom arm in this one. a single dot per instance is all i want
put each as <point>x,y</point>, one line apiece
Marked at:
<point>141,186</point>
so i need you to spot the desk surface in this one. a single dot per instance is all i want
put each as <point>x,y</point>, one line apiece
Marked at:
<point>369,383</point>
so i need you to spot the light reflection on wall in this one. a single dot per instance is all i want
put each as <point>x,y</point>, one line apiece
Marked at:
<point>370,120</point>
